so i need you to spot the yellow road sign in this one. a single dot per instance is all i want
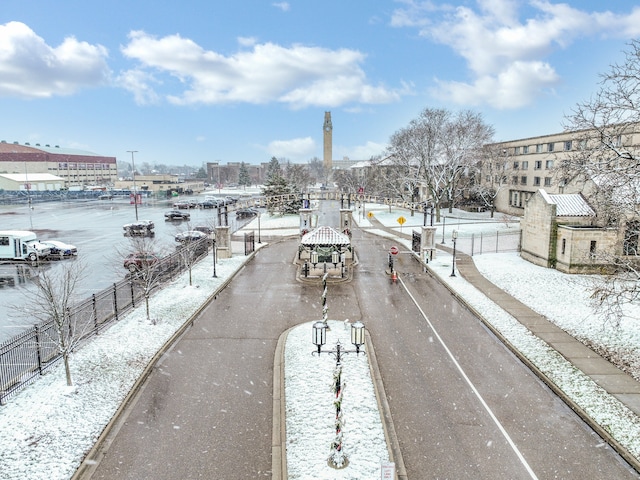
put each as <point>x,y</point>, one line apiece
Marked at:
<point>370,214</point>
<point>401,220</point>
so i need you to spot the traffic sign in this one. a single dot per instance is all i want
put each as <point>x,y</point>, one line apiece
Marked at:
<point>401,220</point>
<point>393,250</point>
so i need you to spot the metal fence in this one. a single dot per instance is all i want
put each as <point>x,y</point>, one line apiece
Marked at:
<point>28,355</point>
<point>494,242</point>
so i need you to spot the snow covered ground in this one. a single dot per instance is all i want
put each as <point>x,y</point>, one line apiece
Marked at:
<point>46,430</point>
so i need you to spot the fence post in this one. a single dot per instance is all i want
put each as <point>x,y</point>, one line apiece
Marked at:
<point>36,330</point>
<point>473,238</point>
<point>95,312</point>
<point>497,236</point>
<point>115,301</point>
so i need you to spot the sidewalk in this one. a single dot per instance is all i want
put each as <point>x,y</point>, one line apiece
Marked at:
<point>614,381</point>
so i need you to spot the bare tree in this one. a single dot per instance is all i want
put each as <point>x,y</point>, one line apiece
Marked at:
<point>605,162</point>
<point>491,176</point>
<point>436,150</point>
<point>53,302</point>
<point>146,268</point>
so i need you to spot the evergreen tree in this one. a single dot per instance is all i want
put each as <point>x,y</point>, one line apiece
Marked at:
<point>281,195</point>
<point>243,176</point>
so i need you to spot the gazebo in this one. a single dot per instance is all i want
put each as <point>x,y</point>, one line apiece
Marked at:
<point>325,245</point>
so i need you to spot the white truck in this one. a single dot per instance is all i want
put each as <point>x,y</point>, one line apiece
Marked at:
<point>22,245</point>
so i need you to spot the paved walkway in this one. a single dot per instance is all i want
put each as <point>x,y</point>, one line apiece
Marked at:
<point>616,382</point>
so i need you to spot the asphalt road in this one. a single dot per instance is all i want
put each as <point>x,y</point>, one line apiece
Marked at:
<point>462,405</point>
<point>95,227</point>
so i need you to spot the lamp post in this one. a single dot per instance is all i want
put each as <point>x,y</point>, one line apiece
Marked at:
<point>454,236</point>
<point>259,228</point>
<point>135,193</point>
<point>337,457</point>
<point>214,255</point>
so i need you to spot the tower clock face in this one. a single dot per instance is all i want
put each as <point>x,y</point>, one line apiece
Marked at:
<point>327,128</point>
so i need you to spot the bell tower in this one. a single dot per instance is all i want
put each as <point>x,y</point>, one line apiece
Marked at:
<point>328,142</point>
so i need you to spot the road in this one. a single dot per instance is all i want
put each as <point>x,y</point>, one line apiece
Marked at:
<point>95,227</point>
<point>462,405</point>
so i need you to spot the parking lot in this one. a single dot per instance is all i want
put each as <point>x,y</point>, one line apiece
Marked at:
<point>95,227</point>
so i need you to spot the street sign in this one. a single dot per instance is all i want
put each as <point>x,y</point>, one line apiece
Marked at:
<point>370,214</point>
<point>401,220</point>
<point>393,250</point>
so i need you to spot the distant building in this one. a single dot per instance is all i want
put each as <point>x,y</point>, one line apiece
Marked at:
<point>34,182</point>
<point>74,167</point>
<point>161,185</point>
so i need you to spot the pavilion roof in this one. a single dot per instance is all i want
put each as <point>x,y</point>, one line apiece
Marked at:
<point>325,236</point>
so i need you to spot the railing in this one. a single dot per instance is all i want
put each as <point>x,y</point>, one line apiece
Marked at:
<point>28,355</point>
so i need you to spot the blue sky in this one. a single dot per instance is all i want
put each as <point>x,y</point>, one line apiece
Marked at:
<point>192,81</point>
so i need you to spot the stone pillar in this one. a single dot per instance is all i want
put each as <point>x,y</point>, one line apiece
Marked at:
<point>223,241</point>
<point>345,220</point>
<point>428,244</point>
<point>305,220</point>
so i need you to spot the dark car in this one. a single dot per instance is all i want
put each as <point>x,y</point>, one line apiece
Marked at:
<point>246,213</point>
<point>208,204</point>
<point>138,260</point>
<point>176,215</point>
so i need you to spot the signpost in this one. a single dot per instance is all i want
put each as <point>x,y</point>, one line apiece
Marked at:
<point>393,250</point>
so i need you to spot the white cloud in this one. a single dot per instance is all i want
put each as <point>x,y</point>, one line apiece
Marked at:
<point>505,54</point>
<point>30,68</point>
<point>298,76</point>
<point>360,152</point>
<point>296,149</point>
<point>284,6</point>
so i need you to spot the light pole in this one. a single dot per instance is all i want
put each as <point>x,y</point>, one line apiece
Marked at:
<point>259,227</point>
<point>454,236</point>
<point>135,193</point>
<point>337,458</point>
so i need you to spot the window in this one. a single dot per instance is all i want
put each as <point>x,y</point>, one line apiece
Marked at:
<point>536,181</point>
<point>548,164</point>
<point>514,180</point>
<point>488,178</point>
<point>592,249</point>
<point>525,149</point>
<point>631,237</point>
<point>539,148</point>
<point>523,180</point>
<point>550,147</point>
<point>567,145</point>
<point>564,245</point>
<point>516,165</point>
<point>547,181</point>
<point>525,165</point>
<point>537,165</point>
<point>516,150</point>
<point>4,241</point>
<point>617,141</point>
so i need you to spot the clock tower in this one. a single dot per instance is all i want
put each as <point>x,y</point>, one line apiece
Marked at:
<point>328,142</point>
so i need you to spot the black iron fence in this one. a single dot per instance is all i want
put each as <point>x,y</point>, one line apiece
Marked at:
<point>30,354</point>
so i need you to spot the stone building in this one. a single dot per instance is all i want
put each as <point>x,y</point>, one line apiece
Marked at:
<point>560,231</point>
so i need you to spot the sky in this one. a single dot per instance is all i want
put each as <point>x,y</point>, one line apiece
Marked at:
<point>65,434</point>
<point>196,81</point>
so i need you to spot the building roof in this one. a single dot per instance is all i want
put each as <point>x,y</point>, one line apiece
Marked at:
<point>569,204</point>
<point>28,148</point>
<point>31,177</point>
<point>325,236</point>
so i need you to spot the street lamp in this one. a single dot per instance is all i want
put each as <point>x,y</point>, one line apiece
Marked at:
<point>335,258</point>
<point>259,228</point>
<point>319,337</point>
<point>135,194</point>
<point>214,255</point>
<point>454,236</point>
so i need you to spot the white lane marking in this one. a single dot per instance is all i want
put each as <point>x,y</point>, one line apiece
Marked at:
<point>473,388</point>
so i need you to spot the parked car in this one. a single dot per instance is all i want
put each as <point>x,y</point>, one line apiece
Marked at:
<point>204,229</point>
<point>246,213</point>
<point>138,260</point>
<point>176,215</point>
<point>185,204</point>
<point>142,228</point>
<point>208,204</point>
<point>190,236</point>
<point>105,196</point>
<point>61,249</point>
<point>230,200</point>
